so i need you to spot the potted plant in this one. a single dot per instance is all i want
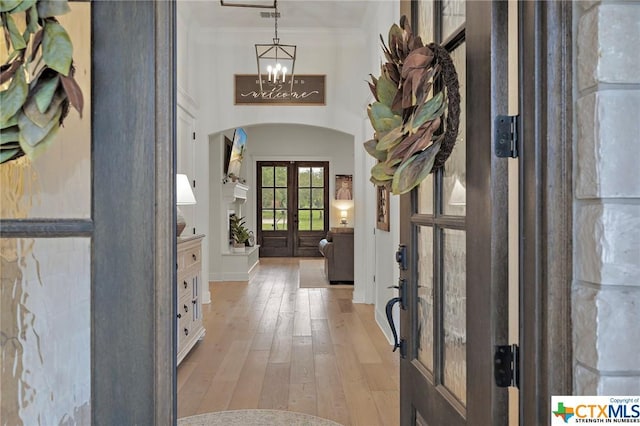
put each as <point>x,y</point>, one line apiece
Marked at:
<point>239,233</point>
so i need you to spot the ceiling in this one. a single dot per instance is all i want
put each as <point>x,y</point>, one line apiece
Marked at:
<point>314,14</point>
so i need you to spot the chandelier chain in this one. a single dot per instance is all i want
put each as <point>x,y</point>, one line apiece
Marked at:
<point>276,16</point>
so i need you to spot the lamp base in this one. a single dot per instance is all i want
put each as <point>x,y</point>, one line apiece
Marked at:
<point>180,223</point>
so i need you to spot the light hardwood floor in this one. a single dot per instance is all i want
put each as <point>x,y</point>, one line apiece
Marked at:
<point>270,344</point>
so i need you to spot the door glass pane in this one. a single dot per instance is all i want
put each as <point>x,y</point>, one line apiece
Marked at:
<point>281,201</point>
<point>304,220</point>
<point>304,198</point>
<point>267,176</point>
<point>317,220</point>
<point>425,21</point>
<point>281,176</point>
<point>454,313</point>
<point>317,177</point>
<point>281,220</point>
<point>57,182</point>
<point>304,176</point>
<point>454,181</point>
<point>425,196</point>
<point>453,15</point>
<point>45,309</point>
<point>268,223</point>
<point>317,198</point>
<point>425,297</point>
<point>267,198</point>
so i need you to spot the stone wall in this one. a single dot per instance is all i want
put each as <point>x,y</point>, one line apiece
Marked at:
<point>606,287</point>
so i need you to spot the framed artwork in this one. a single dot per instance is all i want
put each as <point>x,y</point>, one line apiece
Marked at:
<point>344,187</point>
<point>382,208</point>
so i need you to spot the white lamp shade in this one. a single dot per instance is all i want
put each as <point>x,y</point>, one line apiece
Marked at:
<point>343,214</point>
<point>458,194</point>
<point>184,193</point>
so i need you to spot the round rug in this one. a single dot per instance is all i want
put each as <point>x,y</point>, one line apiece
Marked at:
<point>255,418</point>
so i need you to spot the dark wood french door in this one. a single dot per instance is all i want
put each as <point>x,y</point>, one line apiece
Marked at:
<point>454,242</point>
<point>293,205</point>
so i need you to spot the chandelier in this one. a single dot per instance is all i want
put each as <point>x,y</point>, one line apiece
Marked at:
<point>275,60</point>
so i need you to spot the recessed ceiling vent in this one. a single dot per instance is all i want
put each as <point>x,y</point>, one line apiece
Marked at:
<point>270,14</point>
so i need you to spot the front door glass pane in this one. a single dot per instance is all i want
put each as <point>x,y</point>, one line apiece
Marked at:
<point>45,309</point>
<point>425,196</point>
<point>454,313</point>
<point>453,15</point>
<point>281,177</point>
<point>425,21</point>
<point>454,180</point>
<point>56,183</point>
<point>425,297</point>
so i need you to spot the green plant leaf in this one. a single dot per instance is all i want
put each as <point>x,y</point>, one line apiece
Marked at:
<point>8,135</point>
<point>13,98</point>
<point>37,42</point>
<point>17,41</point>
<point>31,134</point>
<point>32,20</point>
<point>51,8</point>
<point>413,171</point>
<point>386,90</point>
<point>42,119</point>
<point>382,118</point>
<point>390,139</point>
<point>12,121</point>
<point>57,50</point>
<point>8,154</point>
<point>370,147</point>
<point>44,92</point>
<point>378,172</point>
<point>8,5</point>
<point>24,5</point>
<point>429,110</point>
<point>34,151</point>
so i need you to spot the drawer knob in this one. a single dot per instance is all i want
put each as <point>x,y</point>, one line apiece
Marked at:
<point>194,256</point>
<point>185,284</point>
<point>179,315</point>
<point>186,331</point>
<point>186,308</point>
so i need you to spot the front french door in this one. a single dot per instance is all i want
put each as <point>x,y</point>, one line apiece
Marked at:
<point>293,202</point>
<point>454,244</point>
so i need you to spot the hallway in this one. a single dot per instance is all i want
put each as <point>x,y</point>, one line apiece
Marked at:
<point>270,344</point>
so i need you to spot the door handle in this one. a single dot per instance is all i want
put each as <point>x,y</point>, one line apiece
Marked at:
<point>389,310</point>
<point>401,257</point>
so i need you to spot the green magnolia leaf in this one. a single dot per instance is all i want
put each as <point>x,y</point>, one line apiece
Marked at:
<point>390,139</point>
<point>8,5</point>
<point>13,98</point>
<point>386,90</point>
<point>57,50</point>
<point>378,172</point>
<point>12,121</point>
<point>429,110</point>
<point>17,41</point>
<point>42,119</point>
<point>51,8</point>
<point>8,154</point>
<point>24,5</point>
<point>44,91</point>
<point>9,135</point>
<point>32,20</point>
<point>34,151</point>
<point>31,134</point>
<point>370,147</point>
<point>382,118</point>
<point>413,171</point>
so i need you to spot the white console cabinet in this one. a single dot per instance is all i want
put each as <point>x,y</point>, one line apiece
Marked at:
<point>189,294</point>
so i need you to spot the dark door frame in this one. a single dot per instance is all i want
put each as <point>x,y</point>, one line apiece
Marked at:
<point>546,200</point>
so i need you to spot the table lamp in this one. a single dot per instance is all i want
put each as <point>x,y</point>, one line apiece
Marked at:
<point>184,197</point>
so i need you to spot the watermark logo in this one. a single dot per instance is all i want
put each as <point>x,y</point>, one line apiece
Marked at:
<point>595,409</point>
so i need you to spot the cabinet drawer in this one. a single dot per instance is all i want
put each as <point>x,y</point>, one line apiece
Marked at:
<point>191,256</point>
<point>185,286</point>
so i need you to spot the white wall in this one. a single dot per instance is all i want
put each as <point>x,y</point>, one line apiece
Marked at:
<point>606,287</point>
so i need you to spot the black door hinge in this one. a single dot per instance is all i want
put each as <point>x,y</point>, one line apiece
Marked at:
<point>194,136</point>
<point>194,183</point>
<point>506,366</point>
<point>506,136</point>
